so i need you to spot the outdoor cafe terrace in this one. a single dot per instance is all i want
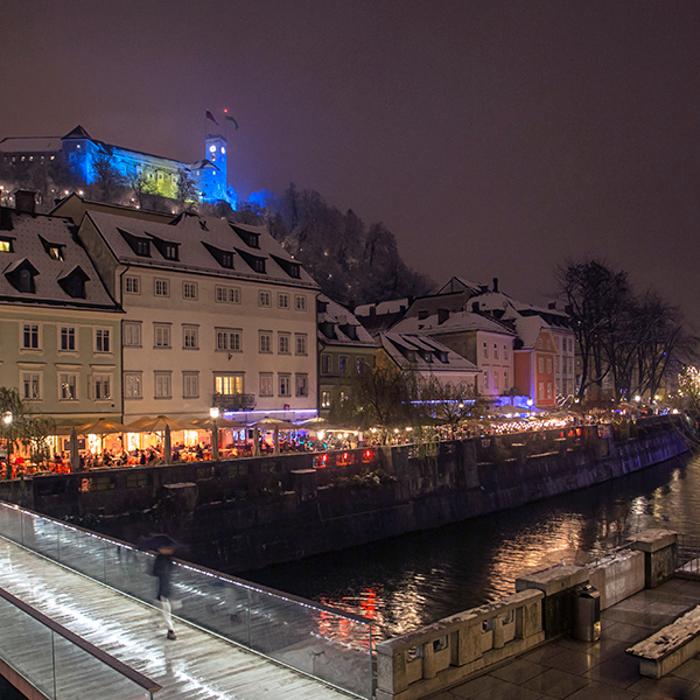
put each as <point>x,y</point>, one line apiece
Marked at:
<point>160,440</point>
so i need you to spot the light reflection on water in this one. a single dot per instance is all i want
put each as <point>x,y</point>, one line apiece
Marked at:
<point>418,578</point>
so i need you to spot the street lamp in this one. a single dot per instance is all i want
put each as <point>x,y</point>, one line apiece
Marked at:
<point>214,415</point>
<point>530,403</point>
<point>7,418</point>
<point>637,398</point>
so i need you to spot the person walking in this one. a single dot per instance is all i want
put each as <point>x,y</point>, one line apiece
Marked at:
<point>162,570</point>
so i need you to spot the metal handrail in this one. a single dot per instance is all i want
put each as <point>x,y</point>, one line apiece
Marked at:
<point>250,585</point>
<point>120,667</point>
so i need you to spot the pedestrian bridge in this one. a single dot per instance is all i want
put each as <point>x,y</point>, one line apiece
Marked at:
<point>78,620</point>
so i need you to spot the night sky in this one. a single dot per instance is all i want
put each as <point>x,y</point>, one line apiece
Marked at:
<point>492,138</point>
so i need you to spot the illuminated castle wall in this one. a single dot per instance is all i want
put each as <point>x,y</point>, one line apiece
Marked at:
<point>81,152</point>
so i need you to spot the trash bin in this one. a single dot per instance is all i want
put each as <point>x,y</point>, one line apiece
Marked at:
<point>587,614</point>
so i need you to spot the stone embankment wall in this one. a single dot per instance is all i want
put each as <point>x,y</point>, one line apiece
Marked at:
<point>457,648</point>
<point>249,513</point>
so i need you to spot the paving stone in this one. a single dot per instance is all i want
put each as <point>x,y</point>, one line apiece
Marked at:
<point>598,691</point>
<point>690,670</point>
<point>663,688</point>
<point>518,671</point>
<point>625,632</point>
<point>571,661</point>
<point>472,689</point>
<point>554,683</point>
<point>545,651</point>
<point>620,671</point>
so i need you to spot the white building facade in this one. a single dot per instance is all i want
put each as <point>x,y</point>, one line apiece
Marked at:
<point>216,314</point>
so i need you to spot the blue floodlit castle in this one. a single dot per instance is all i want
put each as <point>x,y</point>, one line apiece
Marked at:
<point>82,156</point>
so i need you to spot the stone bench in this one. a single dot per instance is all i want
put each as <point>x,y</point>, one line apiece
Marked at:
<point>670,647</point>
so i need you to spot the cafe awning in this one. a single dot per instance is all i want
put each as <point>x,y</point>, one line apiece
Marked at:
<point>158,424</point>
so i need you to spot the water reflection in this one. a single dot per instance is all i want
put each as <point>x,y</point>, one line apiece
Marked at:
<point>415,579</point>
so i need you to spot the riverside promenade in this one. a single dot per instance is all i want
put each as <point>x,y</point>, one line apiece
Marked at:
<point>550,639</point>
<point>566,668</point>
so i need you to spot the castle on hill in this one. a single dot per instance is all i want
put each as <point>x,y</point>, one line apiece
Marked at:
<point>55,166</point>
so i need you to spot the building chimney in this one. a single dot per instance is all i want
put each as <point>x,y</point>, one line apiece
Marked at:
<point>475,306</point>
<point>25,200</point>
<point>552,305</point>
<point>443,315</point>
<point>5,219</point>
<point>495,284</point>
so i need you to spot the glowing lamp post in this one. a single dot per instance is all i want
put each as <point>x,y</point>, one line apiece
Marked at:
<point>214,414</point>
<point>530,403</point>
<point>7,419</point>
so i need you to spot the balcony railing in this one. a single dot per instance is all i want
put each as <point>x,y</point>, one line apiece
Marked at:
<point>234,402</point>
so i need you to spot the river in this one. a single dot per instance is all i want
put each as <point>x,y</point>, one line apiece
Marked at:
<point>415,579</point>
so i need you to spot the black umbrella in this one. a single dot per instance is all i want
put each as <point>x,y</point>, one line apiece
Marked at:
<point>156,542</point>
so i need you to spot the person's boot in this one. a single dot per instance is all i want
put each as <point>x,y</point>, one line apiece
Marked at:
<point>171,635</point>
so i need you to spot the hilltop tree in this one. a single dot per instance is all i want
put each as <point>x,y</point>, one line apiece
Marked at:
<point>109,184</point>
<point>186,195</point>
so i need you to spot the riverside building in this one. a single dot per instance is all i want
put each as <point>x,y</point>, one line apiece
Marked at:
<point>60,327</point>
<point>217,314</point>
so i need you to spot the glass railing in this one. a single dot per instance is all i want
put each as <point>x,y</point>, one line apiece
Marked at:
<point>58,663</point>
<point>324,643</point>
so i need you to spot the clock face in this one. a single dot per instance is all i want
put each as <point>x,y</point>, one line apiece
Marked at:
<point>212,148</point>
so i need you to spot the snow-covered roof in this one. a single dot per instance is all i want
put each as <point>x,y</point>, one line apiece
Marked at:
<point>456,321</point>
<point>421,353</point>
<point>30,144</point>
<point>381,308</point>
<point>31,237</point>
<point>339,326</point>
<point>201,244</point>
<point>457,283</point>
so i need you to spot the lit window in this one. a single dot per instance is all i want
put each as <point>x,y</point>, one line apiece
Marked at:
<point>325,399</point>
<point>5,245</point>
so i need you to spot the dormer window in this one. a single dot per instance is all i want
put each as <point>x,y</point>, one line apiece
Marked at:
<point>256,262</point>
<point>53,250</point>
<point>250,238</point>
<point>292,268</point>
<point>141,246</point>
<point>168,249</point>
<point>6,245</point>
<point>21,276</point>
<point>73,284</point>
<point>223,257</point>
